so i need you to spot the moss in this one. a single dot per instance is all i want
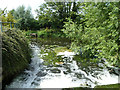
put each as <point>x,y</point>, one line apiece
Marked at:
<point>15,54</point>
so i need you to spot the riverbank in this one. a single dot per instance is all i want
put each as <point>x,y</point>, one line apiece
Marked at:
<point>102,87</point>
<point>46,33</point>
<point>15,54</point>
<point>110,86</point>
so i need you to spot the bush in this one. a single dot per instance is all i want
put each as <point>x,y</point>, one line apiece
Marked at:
<point>15,54</point>
<point>46,33</point>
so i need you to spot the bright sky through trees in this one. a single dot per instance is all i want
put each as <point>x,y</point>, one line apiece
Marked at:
<point>13,4</point>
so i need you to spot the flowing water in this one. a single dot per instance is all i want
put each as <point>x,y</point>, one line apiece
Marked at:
<point>53,65</point>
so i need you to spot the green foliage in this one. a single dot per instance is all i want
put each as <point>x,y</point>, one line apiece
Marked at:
<point>24,18</point>
<point>50,57</point>
<point>54,14</point>
<point>6,16</point>
<point>15,54</point>
<point>46,33</point>
<point>98,34</point>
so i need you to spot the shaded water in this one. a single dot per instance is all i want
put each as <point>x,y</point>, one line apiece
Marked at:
<point>53,65</point>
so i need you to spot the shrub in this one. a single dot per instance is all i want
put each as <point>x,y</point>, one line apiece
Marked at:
<point>15,54</point>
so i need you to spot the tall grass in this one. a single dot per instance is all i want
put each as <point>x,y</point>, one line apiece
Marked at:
<point>15,54</point>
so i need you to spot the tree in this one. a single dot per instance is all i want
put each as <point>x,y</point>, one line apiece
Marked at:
<point>23,17</point>
<point>6,16</point>
<point>3,15</point>
<point>54,14</point>
<point>98,36</point>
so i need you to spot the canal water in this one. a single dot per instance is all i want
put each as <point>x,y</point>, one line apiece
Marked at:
<point>54,65</point>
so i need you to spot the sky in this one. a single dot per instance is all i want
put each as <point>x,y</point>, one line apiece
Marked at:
<point>13,4</point>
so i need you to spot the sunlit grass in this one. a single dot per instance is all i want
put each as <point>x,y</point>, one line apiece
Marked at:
<point>109,86</point>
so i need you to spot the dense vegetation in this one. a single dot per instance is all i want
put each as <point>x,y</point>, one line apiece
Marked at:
<point>15,54</point>
<point>98,34</point>
<point>22,17</point>
<point>54,14</point>
<point>93,28</point>
<point>45,33</point>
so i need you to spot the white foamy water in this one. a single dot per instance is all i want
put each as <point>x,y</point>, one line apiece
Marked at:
<point>40,76</point>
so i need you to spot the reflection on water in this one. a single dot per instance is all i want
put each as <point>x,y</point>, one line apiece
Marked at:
<point>54,65</point>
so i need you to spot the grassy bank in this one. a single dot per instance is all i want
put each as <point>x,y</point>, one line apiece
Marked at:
<point>108,87</point>
<point>15,54</point>
<point>46,33</point>
<point>101,87</point>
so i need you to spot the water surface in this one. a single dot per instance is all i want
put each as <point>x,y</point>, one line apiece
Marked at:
<point>54,65</point>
